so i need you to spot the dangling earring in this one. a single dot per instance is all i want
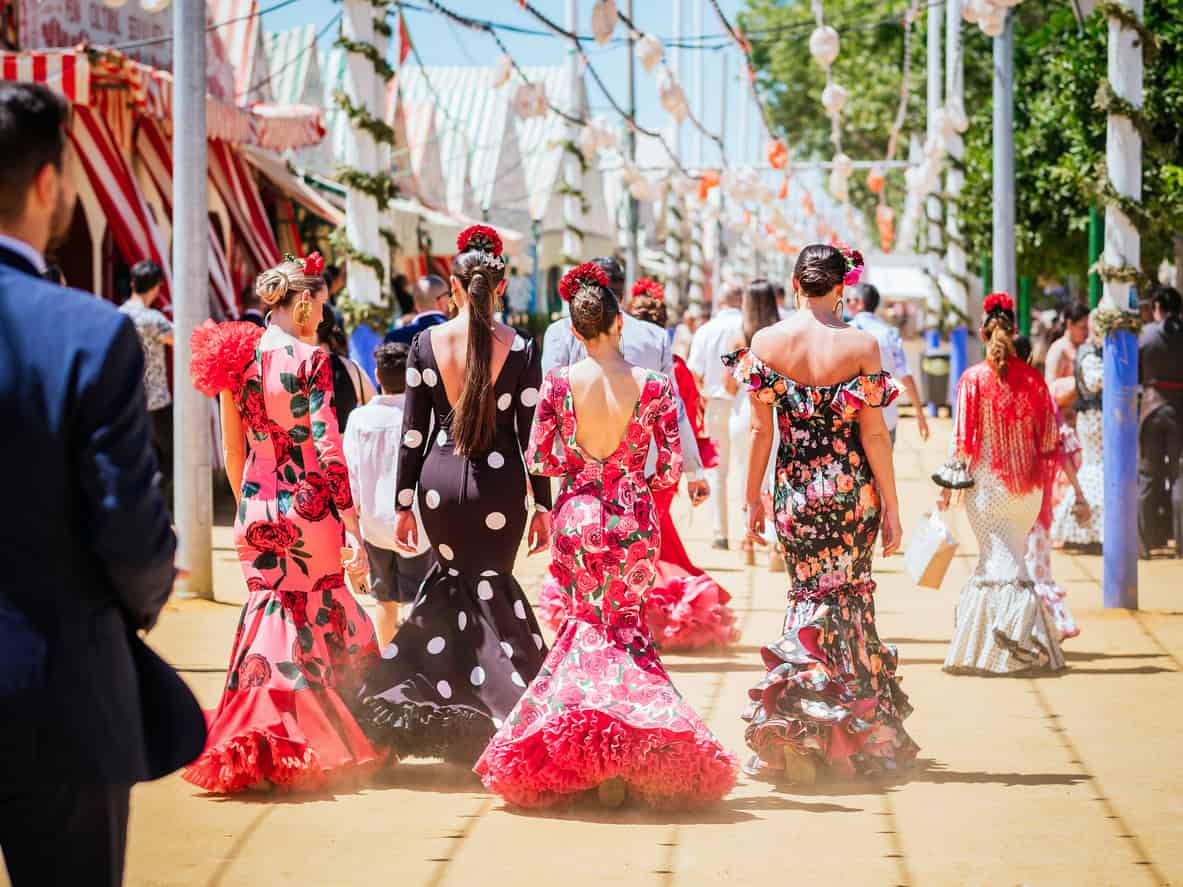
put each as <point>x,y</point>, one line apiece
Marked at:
<point>302,313</point>
<point>797,299</point>
<point>838,308</point>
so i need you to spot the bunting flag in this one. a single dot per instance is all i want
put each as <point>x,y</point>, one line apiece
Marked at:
<point>404,39</point>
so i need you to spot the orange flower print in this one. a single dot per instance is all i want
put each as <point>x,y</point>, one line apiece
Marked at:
<point>779,386</point>
<point>840,448</point>
<point>855,459</point>
<point>766,395</point>
<point>867,497</point>
<point>845,483</point>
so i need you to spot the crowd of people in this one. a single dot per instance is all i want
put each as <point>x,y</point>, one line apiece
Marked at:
<point>420,493</point>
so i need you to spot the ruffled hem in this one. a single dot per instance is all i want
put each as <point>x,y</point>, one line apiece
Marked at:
<point>219,352</point>
<point>1002,628</point>
<point>689,612</point>
<point>1055,602</point>
<point>803,401</point>
<point>320,753</point>
<point>581,748</point>
<point>953,475</point>
<point>455,733</point>
<point>807,704</point>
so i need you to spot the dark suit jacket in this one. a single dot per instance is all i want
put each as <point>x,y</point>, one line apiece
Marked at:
<point>86,548</point>
<point>406,334</point>
<point>1160,360</point>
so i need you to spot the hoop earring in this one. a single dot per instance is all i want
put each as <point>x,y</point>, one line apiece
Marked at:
<point>797,300</point>
<point>838,308</point>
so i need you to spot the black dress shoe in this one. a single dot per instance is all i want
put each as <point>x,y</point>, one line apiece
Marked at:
<point>720,545</point>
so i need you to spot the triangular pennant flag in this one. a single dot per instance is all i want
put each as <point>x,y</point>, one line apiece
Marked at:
<point>404,39</point>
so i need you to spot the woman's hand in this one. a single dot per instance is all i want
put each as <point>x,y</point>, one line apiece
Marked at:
<point>354,560</point>
<point>755,520</point>
<point>943,498</point>
<point>539,536</point>
<point>406,532</point>
<point>1081,510</point>
<point>892,532</point>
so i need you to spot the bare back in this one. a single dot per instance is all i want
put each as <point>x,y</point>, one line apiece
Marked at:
<point>449,344</point>
<point>605,400</point>
<point>814,353</point>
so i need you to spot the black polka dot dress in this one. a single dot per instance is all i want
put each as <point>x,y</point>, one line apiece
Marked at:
<point>462,660</point>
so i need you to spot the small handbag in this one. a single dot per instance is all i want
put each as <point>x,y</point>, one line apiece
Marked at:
<point>931,551</point>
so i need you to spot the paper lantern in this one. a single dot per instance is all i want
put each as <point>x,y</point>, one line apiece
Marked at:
<point>807,206</point>
<point>708,180</point>
<point>673,98</point>
<point>824,44</point>
<point>530,101</point>
<point>682,184</point>
<point>640,189</point>
<point>649,51</point>
<point>957,116</point>
<point>603,21</point>
<point>502,71</point>
<point>783,192</point>
<point>834,98</point>
<point>994,24</point>
<point>843,166</point>
<point>154,6</point>
<point>115,4</point>
<point>778,154</point>
<point>876,180</point>
<point>838,187</point>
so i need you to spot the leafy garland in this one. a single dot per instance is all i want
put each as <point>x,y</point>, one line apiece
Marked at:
<point>1109,102</point>
<point>339,240</point>
<point>381,186</point>
<point>357,314</point>
<point>1119,273</point>
<point>1114,320</point>
<point>382,131</point>
<point>1124,16</point>
<point>385,71</point>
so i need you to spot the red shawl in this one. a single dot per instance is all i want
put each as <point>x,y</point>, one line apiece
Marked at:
<point>1022,424</point>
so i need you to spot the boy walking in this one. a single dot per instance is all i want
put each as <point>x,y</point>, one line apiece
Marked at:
<point>373,435</point>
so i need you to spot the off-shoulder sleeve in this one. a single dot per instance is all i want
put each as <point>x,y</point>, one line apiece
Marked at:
<point>526,401</point>
<point>667,441</point>
<point>220,353</point>
<point>540,454</point>
<point>868,390</point>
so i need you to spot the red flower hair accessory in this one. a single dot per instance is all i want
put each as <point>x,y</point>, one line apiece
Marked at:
<point>854,264</point>
<point>479,237</point>
<point>647,286</point>
<point>314,265</point>
<point>998,303</point>
<point>589,274</point>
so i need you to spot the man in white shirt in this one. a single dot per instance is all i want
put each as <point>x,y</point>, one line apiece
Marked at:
<point>861,302</point>
<point>371,443</point>
<point>644,345</point>
<point>711,341</point>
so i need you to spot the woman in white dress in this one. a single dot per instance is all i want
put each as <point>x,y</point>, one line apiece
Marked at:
<point>1003,452</point>
<point>1072,525</point>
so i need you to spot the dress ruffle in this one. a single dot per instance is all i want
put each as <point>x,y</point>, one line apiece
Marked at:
<point>602,707</point>
<point>831,691</point>
<point>682,611</point>
<point>219,354</point>
<point>293,739</point>
<point>1002,629</point>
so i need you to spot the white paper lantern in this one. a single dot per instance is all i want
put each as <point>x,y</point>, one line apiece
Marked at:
<point>649,51</point>
<point>994,24</point>
<point>673,98</point>
<point>824,44</point>
<point>957,116</point>
<point>843,166</point>
<point>834,98</point>
<point>640,189</point>
<point>605,133</point>
<point>603,21</point>
<point>530,101</point>
<point>502,71</point>
<point>115,4</point>
<point>154,6</point>
<point>587,142</point>
<point>969,12</point>
<point>838,186</point>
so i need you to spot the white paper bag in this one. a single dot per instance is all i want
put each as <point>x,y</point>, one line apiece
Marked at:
<point>931,551</point>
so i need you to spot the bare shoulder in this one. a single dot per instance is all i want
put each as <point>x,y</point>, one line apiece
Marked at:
<point>767,340</point>
<point>866,348</point>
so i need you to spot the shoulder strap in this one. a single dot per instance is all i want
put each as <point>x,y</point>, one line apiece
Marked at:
<point>361,388</point>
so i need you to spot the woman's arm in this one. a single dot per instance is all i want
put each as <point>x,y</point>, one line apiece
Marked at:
<point>668,442</point>
<point>413,450</point>
<point>233,442</point>
<point>326,440</point>
<point>527,402</point>
<point>763,429</point>
<point>877,446</point>
<point>540,453</point>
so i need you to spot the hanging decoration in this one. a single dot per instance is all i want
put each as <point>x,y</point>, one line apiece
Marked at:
<point>673,97</point>
<point>824,43</point>
<point>707,181</point>
<point>603,21</point>
<point>989,15</point>
<point>530,101</point>
<point>597,135</point>
<point>824,46</point>
<point>649,52</point>
<point>778,154</point>
<point>502,71</point>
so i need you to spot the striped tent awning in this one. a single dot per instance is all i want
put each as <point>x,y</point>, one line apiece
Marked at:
<point>291,56</point>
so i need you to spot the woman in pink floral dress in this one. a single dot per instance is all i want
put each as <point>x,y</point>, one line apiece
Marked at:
<point>602,711</point>
<point>302,641</point>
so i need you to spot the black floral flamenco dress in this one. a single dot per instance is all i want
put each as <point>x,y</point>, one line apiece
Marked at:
<point>831,691</point>
<point>459,664</point>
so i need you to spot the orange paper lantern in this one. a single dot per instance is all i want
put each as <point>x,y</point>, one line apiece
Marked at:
<point>709,179</point>
<point>876,180</point>
<point>807,204</point>
<point>778,154</point>
<point>783,193</point>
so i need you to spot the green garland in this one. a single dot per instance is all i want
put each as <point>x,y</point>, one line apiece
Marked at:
<point>381,186</point>
<point>383,27</point>
<point>1109,102</point>
<point>358,314</point>
<point>339,241</point>
<point>1114,320</point>
<point>1110,196</point>
<point>390,238</point>
<point>569,147</point>
<point>385,71</point>
<point>382,131</point>
<point>1118,273</point>
<point>1124,16</point>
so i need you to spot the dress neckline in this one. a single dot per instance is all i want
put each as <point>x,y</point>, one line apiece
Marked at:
<point>569,396</point>
<point>492,384</point>
<point>790,380</point>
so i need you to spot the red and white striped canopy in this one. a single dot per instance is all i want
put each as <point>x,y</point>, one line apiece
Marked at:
<point>237,188</point>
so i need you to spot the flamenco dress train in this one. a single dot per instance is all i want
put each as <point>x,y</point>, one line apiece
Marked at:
<point>461,661</point>
<point>1004,450</point>
<point>303,640</point>
<point>686,608</point>
<point>602,706</point>
<point>831,691</point>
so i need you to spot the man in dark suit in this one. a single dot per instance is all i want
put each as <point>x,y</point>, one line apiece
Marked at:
<point>86,549</point>
<point>1160,426</point>
<point>431,299</point>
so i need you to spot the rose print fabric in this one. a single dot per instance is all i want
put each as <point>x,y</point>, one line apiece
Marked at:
<point>303,641</point>
<point>831,690</point>
<point>602,705</point>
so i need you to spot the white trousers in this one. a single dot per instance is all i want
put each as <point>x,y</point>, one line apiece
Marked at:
<point>717,417</point>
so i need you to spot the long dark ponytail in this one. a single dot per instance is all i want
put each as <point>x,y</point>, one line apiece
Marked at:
<point>475,417</point>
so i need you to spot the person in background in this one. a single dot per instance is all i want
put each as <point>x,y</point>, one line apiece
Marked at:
<point>431,301</point>
<point>692,319</point>
<point>1160,424</point>
<point>252,307</point>
<point>1069,333</point>
<point>155,332</point>
<point>54,275</point>
<point>861,304</point>
<point>784,308</point>
<point>403,300</point>
<point>351,385</point>
<point>713,340</point>
<point>372,440</point>
<point>88,708</point>
<point>334,276</point>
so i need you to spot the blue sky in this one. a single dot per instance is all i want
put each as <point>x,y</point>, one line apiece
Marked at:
<point>441,42</point>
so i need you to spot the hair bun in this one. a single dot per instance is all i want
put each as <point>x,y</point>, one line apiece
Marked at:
<point>272,286</point>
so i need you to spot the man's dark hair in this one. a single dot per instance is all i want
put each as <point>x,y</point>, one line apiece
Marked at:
<point>390,365</point>
<point>146,275</point>
<point>615,271</point>
<point>54,275</point>
<point>1167,299</point>
<point>1023,348</point>
<point>870,296</point>
<point>32,136</point>
<point>250,298</point>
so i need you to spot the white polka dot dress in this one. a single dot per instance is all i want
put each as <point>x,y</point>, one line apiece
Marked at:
<point>472,643</point>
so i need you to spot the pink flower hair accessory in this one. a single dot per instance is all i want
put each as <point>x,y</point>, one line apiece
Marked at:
<point>854,264</point>
<point>586,276</point>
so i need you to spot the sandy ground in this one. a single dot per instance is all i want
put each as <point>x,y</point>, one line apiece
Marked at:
<point>1067,780</point>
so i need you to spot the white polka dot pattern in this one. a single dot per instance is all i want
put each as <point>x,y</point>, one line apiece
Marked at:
<point>441,439</point>
<point>432,498</point>
<point>496,460</point>
<point>495,521</point>
<point>446,552</point>
<point>489,573</point>
<point>477,678</point>
<point>484,590</point>
<point>519,609</point>
<point>538,641</point>
<point>517,679</point>
<point>519,344</point>
<point>436,645</point>
<point>507,649</point>
<point>529,397</point>
<point>462,620</point>
<point>413,439</point>
<point>414,377</point>
<point>504,401</point>
<point>390,650</point>
<point>429,377</point>
<point>444,689</point>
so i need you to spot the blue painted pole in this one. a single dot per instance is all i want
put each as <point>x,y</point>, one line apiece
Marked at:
<point>958,362</point>
<point>1120,433</point>
<point>932,341</point>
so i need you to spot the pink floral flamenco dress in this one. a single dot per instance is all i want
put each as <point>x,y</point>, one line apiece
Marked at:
<point>602,707</point>
<point>831,693</point>
<point>303,641</point>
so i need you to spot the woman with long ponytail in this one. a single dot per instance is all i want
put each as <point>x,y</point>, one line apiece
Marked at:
<point>458,665</point>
